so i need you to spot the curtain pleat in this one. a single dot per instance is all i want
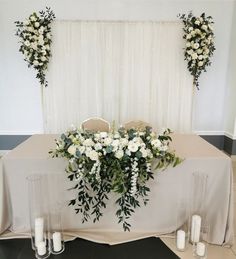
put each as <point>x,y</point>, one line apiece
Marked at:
<point>119,71</point>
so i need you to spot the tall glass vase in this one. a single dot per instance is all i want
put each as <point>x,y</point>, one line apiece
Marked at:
<point>56,196</point>
<point>198,215</point>
<point>38,214</point>
<point>182,226</point>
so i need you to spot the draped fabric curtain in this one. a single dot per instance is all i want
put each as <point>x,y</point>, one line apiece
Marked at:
<point>118,71</point>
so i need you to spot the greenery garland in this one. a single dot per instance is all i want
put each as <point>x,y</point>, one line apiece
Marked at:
<point>120,162</point>
<point>199,36</point>
<point>35,41</point>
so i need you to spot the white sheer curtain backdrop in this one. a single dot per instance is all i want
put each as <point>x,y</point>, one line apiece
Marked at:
<point>119,71</point>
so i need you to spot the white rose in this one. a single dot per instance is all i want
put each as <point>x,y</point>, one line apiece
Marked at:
<point>103,134</point>
<point>88,142</point>
<point>93,155</point>
<point>190,52</point>
<point>200,63</point>
<point>36,24</point>
<point>115,143</point>
<point>27,43</point>
<point>43,58</point>
<point>197,22</point>
<point>124,142</point>
<point>200,57</point>
<point>47,46</point>
<point>35,62</point>
<point>72,150</point>
<point>204,27</point>
<point>48,35</point>
<point>132,146</point>
<point>119,154</point>
<point>199,51</point>
<point>194,56</point>
<point>196,45</point>
<point>107,141</point>
<point>41,30</point>
<point>190,28</point>
<point>144,152</point>
<point>188,36</point>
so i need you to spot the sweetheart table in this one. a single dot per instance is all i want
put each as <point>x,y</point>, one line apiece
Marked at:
<point>155,219</point>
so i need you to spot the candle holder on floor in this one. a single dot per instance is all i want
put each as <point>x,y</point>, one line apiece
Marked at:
<point>38,217</point>
<point>198,215</point>
<point>182,225</point>
<point>56,198</point>
<point>56,233</point>
<point>200,248</point>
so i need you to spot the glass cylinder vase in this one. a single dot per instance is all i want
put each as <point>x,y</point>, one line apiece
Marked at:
<point>198,215</point>
<point>38,216</point>
<point>200,248</point>
<point>56,231</point>
<point>182,226</point>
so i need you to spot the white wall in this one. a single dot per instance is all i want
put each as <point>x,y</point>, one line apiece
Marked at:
<point>20,100</point>
<point>230,100</point>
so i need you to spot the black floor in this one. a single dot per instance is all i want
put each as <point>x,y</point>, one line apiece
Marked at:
<point>149,248</point>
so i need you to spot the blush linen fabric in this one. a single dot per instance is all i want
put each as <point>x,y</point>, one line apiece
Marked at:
<point>156,219</point>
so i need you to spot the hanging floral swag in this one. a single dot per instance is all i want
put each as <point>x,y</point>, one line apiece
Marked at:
<point>199,36</point>
<point>35,41</point>
<point>120,162</point>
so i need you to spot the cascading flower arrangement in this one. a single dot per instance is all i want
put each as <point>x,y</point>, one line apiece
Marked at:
<point>35,41</point>
<point>199,36</point>
<point>120,161</point>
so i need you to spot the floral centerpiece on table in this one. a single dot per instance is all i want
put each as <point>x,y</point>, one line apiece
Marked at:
<point>35,41</point>
<point>119,162</point>
<point>199,36</point>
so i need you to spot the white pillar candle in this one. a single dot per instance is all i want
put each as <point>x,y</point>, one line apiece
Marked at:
<point>38,230</point>
<point>41,248</point>
<point>181,239</point>
<point>56,238</point>
<point>195,228</point>
<point>201,249</point>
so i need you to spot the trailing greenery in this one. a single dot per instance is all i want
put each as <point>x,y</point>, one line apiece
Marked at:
<point>120,162</point>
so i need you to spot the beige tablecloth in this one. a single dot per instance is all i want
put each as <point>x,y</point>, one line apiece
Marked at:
<point>157,218</point>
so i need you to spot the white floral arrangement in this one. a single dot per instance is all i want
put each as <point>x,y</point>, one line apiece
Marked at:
<point>199,36</point>
<point>35,41</point>
<point>119,161</point>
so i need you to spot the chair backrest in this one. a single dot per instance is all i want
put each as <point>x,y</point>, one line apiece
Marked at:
<point>96,124</point>
<point>136,124</point>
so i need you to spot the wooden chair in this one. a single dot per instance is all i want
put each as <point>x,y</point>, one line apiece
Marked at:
<point>136,124</point>
<point>96,124</point>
